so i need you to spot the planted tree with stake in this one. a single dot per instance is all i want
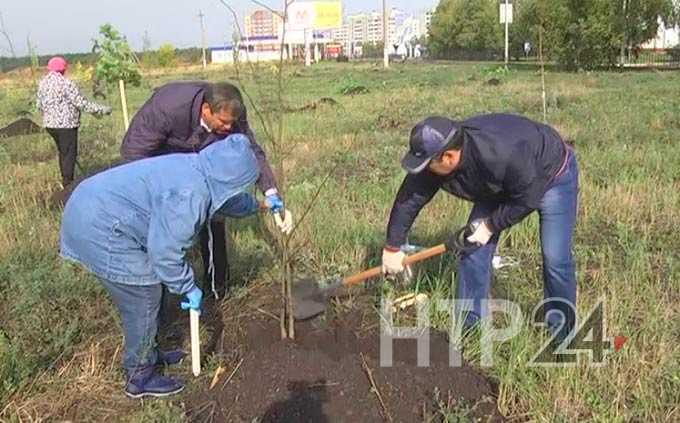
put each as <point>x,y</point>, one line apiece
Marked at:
<point>116,63</point>
<point>272,124</point>
<point>271,114</point>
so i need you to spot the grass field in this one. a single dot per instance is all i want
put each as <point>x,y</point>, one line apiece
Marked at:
<point>59,338</point>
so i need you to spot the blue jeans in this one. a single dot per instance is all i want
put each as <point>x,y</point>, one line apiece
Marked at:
<point>557,213</point>
<point>138,306</point>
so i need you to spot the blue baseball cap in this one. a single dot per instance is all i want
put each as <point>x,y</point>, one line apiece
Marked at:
<point>428,138</point>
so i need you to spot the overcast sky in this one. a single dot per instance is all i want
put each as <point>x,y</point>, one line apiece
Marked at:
<point>60,26</point>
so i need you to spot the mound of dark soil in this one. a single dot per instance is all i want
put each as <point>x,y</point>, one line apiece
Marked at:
<point>59,198</point>
<point>355,90</point>
<point>312,106</point>
<point>391,122</point>
<point>23,126</point>
<point>323,376</point>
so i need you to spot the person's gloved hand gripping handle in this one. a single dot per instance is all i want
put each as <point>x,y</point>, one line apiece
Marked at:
<point>192,299</point>
<point>392,260</point>
<point>481,232</point>
<point>282,216</point>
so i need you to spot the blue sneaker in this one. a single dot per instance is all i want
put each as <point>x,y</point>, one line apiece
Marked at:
<point>146,382</point>
<point>169,357</point>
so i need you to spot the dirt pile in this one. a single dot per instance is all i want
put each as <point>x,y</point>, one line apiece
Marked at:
<point>323,376</point>
<point>23,126</point>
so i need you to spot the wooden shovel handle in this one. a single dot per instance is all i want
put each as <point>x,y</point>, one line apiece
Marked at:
<point>413,258</point>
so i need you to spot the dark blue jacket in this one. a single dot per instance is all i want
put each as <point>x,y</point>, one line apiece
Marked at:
<point>170,122</point>
<point>506,160</point>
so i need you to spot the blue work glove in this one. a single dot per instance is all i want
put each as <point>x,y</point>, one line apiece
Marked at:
<point>192,299</point>
<point>274,202</point>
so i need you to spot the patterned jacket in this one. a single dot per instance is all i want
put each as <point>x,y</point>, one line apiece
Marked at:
<point>60,102</point>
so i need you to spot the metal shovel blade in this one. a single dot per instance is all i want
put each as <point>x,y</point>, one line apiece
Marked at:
<point>310,297</point>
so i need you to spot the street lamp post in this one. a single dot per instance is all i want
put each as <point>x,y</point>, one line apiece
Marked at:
<point>505,18</point>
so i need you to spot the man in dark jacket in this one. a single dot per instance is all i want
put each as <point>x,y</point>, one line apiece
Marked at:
<point>186,117</point>
<point>508,166</point>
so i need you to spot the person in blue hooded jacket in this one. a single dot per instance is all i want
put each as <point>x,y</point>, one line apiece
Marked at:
<point>132,225</point>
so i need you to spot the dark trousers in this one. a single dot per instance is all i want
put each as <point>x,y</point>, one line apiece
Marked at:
<point>67,144</point>
<point>220,262</point>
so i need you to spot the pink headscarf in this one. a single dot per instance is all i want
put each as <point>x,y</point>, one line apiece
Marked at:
<point>57,64</point>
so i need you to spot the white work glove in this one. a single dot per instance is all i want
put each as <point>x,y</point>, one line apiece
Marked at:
<point>393,265</point>
<point>392,262</point>
<point>482,233</point>
<point>285,223</point>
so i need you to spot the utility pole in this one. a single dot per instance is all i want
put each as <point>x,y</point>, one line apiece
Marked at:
<point>507,56</point>
<point>146,43</point>
<point>386,52</point>
<point>623,43</point>
<point>200,17</point>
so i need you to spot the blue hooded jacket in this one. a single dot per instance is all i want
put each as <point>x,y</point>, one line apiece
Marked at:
<point>133,224</point>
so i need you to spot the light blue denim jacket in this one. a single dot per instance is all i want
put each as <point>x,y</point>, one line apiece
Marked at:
<point>133,224</point>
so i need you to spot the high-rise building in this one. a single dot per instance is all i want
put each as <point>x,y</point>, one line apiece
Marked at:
<point>262,23</point>
<point>358,27</point>
<point>426,22</point>
<point>367,27</point>
<point>342,35</point>
<point>396,21</point>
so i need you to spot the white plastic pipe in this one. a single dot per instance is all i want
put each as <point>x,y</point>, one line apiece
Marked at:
<point>195,342</point>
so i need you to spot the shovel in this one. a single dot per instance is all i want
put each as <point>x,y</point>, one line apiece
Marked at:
<point>310,298</point>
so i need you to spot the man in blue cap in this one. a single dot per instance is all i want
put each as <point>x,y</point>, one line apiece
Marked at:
<point>508,166</point>
<point>132,225</point>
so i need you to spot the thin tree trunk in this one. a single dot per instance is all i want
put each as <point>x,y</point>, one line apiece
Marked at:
<point>285,256</point>
<point>4,32</point>
<point>540,55</point>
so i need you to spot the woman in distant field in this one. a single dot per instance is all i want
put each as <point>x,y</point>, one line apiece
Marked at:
<point>60,103</point>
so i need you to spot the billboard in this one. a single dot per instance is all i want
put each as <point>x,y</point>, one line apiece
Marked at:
<point>327,14</point>
<point>314,15</point>
<point>505,9</point>
<point>302,36</point>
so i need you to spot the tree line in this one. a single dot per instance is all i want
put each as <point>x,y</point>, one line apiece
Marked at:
<point>166,55</point>
<point>576,34</point>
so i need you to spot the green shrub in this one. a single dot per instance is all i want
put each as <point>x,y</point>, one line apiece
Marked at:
<point>350,86</point>
<point>166,56</point>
